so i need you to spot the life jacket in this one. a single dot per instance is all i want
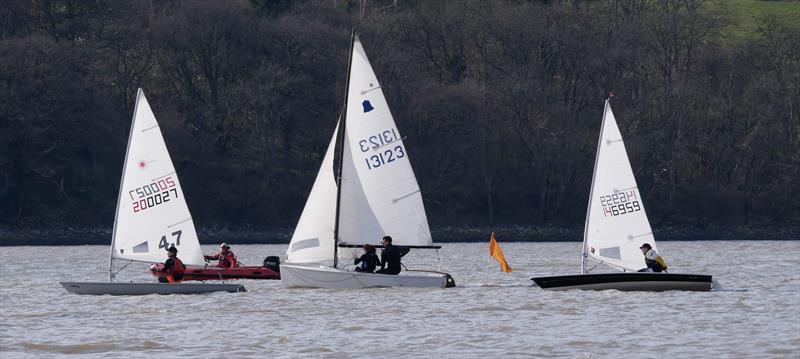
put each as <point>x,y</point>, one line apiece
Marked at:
<point>654,261</point>
<point>227,260</point>
<point>178,267</point>
<point>174,274</point>
<point>369,262</point>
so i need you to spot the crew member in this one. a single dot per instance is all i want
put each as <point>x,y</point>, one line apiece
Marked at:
<point>226,257</point>
<point>654,261</point>
<point>369,260</point>
<point>173,267</point>
<point>390,257</point>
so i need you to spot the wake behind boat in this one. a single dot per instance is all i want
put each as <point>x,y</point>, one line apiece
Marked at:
<point>151,215</point>
<point>373,193</point>
<point>617,227</point>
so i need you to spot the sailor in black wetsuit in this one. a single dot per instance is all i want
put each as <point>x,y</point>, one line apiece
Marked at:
<point>390,257</point>
<point>369,260</point>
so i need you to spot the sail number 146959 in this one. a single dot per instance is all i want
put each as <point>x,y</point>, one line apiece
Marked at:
<point>620,203</point>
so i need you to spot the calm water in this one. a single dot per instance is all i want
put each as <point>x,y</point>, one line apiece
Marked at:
<point>757,315</point>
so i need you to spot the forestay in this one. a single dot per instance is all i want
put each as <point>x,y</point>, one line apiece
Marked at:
<point>380,194</point>
<point>151,210</point>
<point>616,223</point>
<point>312,241</point>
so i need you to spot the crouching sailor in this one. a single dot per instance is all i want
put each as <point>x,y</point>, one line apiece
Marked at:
<point>173,267</point>
<point>369,260</point>
<point>654,261</point>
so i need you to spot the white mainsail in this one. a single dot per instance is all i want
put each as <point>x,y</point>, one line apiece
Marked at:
<point>616,222</point>
<point>312,240</point>
<point>151,210</point>
<point>379,195</point>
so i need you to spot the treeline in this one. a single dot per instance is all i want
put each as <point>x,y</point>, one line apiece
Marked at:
<point>500,103</point>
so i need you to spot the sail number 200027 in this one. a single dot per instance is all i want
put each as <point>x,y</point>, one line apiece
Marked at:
<point>153,194</point>
<point>383,145</point>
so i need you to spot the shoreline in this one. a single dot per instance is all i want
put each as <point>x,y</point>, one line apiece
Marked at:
<point>441,234</point>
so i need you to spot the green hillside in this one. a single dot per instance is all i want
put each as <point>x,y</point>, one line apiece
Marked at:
<point>744,16</point>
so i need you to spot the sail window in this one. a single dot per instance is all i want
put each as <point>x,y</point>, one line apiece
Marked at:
<point>612,253</point>
<point>141,248</point>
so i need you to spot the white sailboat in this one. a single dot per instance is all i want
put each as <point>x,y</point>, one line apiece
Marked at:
<point>377,195</point>
<point>616,226</point>
<point>151,215</point>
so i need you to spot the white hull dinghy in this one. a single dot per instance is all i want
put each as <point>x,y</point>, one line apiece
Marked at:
<point>297,276</point>
<point>151,215</point>
<point>616,226</point>
<point>120,288</point>
<point>372,193</point>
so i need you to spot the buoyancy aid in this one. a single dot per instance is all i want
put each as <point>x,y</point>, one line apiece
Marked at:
<point>226,260</point>
<point>368,262</point>
<point>178,267</point>
<point>174,273</point>
<point>654,261</point>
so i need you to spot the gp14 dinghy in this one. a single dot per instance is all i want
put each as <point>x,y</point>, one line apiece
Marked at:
<point>376,195</point>
<point>151,215</point>
<point>616,227</point>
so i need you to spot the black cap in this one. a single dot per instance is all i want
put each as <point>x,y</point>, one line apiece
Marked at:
<point>172,249</point>
<point>646,245</point>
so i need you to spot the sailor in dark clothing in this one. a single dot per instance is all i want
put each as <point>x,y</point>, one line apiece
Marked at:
<point>369,260</point>
<point>390,257</point>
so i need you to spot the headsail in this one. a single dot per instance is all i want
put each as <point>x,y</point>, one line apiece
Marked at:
<point>151,210</point>
<point>616,222</point>
<point>312,241</point>
<point>380,194</point>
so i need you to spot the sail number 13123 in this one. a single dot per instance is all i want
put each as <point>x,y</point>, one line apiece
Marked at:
<point>387,147</point>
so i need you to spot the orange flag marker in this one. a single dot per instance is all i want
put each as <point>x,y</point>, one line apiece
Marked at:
<point>497,253</point>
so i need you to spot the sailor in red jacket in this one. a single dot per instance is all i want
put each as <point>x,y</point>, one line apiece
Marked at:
<point>226,257</point>
<point>173,267</point>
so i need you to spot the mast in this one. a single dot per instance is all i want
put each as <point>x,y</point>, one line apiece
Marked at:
<point>139,94</point>
<point>342,129</point>
<point>591,190</point>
